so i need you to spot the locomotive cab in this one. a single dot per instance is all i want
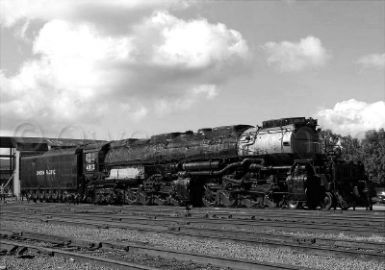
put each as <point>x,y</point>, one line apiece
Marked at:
<point>93,161</point>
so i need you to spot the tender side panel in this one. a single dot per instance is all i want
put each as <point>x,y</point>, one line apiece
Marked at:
<point>53,170</point>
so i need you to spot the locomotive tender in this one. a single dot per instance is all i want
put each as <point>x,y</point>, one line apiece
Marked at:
<point>277,164</point>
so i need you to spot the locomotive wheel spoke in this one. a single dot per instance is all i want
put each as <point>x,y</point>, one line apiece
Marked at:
<point>343,203</point>
<point>209,198</point>
<point>226,199</point>
<point>283,204</point>
<point>269,202</point>
<point>143,198</point>
<point>158,200</point>
<point>173,201</point>
<point>208,202</point>
<point>131,197</point>
<point>248,203</point>
<point>327,201</point>
<point>260,202</point>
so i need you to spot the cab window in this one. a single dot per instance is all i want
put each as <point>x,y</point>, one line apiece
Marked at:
<point>91,160</point>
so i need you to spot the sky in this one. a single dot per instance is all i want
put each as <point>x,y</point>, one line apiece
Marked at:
<point>116,69</point>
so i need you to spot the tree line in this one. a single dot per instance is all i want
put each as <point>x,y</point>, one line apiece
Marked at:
<point>370,151</point>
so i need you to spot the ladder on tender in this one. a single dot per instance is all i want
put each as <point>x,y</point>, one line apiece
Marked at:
<point>4,187</point>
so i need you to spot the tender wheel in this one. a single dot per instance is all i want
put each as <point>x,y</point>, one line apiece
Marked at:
<point>226,199</point>
<point>54,196</point>
<point>327,201</point>
<point>41,196</point>
<point>29,196</point>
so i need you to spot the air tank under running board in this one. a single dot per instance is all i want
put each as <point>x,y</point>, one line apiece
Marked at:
<point>204,165</point>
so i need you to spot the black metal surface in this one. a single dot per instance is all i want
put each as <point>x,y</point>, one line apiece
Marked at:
<point>53,170</point>
<point>218,143</point>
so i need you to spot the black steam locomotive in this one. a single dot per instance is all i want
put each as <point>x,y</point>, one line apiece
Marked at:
<point>278,164</point>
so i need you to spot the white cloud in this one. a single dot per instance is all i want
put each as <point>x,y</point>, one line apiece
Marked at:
<point>209,91</point>
<point>376,61</point>
<point>191,97</point>
<point>76,54</point>
<point>352,117</point>
<point>192,44</point>
<point>80,73</point>
<point>13,11</point>
<point>296,56</point>
<point>69,74</point>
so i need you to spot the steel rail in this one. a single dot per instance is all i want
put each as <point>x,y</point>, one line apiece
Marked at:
<point>179,226</point>
<point>246,212</point>
<point>233,215</point>
<point>231,263</point>
<point>251,218</point>
<point>379,228</point>
<point>377,221</point>
<point>247,238</point>
<point>357,213</point>
<point>234,212</point>
<point>83,257</point>
<point>339,211</point>
<point>287,223</point>
<point>125,225</point>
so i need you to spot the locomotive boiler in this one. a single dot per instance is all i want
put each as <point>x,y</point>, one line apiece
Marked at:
<point>279,163</point>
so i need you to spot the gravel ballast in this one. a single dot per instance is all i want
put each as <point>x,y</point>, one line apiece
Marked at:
<point>227,249</point>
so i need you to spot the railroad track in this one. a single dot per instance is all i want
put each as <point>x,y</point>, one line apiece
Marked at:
<point>328,220</point>
<point>114,208</point>
<point>147,208</point>
<point>316,245</point>
<point>377,227</point>
<point>16,242</point>
<point>222,214</point>
<point>16,246</point>
<point>238,213</point>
